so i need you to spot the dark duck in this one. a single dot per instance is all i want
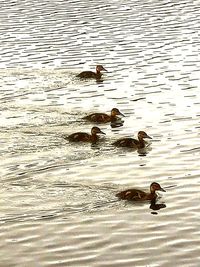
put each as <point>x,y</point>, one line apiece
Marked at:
<point>103,118</point>
<point>133,143</point>
<point>85,137</point>
<point>139,195</point>
<point>92,75</point>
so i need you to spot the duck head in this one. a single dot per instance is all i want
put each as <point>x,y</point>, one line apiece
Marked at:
<point>100,68</point>
<point>96,130</point>
<point>142,135</point>
<point>115,111</point>
<point>156,187</point>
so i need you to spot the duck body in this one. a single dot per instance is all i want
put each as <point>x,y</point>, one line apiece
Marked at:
<point>103,118</point>
<point>135,195</point>
<point>98,117</point>
<point>139,195</point>
<point>92,75</point>
<point>85,137</point>
<point>128,142</point>
<point>89,75</point>
<point>133,143</point>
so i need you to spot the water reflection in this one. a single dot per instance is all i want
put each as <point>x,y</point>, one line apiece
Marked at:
<point>97,81</point>
<point>144,151</point>
<point>156,206</point>
<point>152,50</point>
<point>116,124</point>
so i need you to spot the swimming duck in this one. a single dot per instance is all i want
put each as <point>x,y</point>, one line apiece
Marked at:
<point>85,137</point>
<point>102,117</point>
<point>130,142</point>
<point>139,195</point>
<point>91,74</point>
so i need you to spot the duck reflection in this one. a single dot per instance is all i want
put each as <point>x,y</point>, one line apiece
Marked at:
<point>116,124</point>
<point>156,206</point>
<point>142,152</point>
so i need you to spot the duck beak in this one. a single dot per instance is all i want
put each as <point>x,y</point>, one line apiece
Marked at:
<point>101,132</point>
<point>149,137</point>
<point>161,189</point>
<point>121,114</point>
<point>104,69</point>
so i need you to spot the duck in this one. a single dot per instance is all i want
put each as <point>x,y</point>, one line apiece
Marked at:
<point>103,118</point>
<point>85,137</point>
<point>133,143</point>
<point>139,195</point>
<point>92,75</point>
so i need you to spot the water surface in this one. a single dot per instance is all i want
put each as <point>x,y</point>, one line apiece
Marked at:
<point>58,204</point>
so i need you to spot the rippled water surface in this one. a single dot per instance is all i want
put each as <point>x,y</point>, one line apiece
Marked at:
<point>58,204</point>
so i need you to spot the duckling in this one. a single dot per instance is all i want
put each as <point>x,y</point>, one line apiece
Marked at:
<point>102,117</point>
<point>130,142</point>
<point>91,74</point>
<point>139,195</point>
<point>85,137</point>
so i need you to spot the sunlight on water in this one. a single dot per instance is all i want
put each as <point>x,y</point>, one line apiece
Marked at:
<point>58,203</point>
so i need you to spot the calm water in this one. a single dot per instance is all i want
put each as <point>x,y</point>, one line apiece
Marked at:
<point>58,204</point>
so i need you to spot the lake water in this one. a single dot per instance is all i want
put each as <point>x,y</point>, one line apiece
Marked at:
<point>58,204</point>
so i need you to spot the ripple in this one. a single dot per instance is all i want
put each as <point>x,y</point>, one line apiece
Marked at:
<point>59,197</point>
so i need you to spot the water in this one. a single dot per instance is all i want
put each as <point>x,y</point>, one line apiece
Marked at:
<point>58,204</point>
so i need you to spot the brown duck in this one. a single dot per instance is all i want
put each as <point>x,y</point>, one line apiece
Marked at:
<point>92,75</point>
<point>139,195</point>
<point>85,137</point>
<point>133,143</point>
<point>102,117</point>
